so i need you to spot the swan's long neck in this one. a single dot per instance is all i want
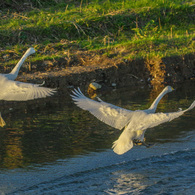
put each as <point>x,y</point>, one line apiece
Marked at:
<point>191,107</point>
<point>157,100</point>
<point>16,69</point>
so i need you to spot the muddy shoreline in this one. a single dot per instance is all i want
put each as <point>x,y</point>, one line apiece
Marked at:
<point>109,72</point>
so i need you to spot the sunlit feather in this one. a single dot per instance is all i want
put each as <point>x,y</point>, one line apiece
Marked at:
<point>19,91</point>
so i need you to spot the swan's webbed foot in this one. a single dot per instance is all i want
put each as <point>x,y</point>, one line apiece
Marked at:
<point>137,142</point>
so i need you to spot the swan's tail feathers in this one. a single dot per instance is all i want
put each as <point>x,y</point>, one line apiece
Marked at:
<point>2,122</point>
<point>122,145</point>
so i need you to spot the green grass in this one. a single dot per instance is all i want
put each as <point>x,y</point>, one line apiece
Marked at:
<point>141,28</point>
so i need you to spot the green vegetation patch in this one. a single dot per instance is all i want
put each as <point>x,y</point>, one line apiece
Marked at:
<point>140,28</point>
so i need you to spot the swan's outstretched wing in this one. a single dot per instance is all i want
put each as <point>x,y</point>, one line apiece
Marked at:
<point>112,115</point>
<point>152,120</point>
<point>19,91</point>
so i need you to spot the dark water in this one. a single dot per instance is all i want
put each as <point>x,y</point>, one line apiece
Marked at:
<point>50,146</point>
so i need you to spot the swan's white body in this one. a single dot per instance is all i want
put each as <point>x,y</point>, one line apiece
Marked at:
<point>134,123</point>
<point>20,91</point>
<point>14,73</point>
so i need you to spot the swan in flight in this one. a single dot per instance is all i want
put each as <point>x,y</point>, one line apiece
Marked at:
<point>20,91</point>
<point>14,73</point>
<point>133,123</point>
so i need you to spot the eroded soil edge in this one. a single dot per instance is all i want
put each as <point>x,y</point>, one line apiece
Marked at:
<point>109,71</point>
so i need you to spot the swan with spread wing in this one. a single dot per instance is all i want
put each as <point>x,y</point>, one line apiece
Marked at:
<point>133,123</point>
<point>19,91</point>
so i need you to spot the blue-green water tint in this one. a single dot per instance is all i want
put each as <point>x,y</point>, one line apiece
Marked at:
<point>50,146</point>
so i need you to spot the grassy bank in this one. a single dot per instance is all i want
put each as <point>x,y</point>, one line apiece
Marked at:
<point>122,29</point>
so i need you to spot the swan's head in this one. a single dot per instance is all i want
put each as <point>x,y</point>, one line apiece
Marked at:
<point>30,51</point>
<point>168,89</point>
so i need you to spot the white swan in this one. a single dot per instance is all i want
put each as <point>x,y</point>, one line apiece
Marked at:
<point>134,123</point>
<point>105,111</point>
<point>20,91</point>
<point>14,73</point>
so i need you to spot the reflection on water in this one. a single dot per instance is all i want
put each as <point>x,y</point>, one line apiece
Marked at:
<point>128,183</point>
<point>166,174</point>
<point>13,147</point>
<point>45,130</point>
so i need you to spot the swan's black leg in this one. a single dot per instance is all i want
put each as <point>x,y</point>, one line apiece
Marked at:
<point>147,145</point>
<point>138,142</point>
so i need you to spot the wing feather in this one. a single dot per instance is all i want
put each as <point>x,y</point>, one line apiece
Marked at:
<point>143,121</point>
<point>110,114</point>
<point>19,91</point>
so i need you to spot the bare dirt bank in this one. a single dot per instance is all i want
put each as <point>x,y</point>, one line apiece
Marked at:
<point>109,71</point>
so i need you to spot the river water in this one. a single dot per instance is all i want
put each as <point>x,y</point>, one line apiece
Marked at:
<point>50,146</point>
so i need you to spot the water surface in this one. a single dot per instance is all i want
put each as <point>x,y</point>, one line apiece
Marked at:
<point>50,146</point>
